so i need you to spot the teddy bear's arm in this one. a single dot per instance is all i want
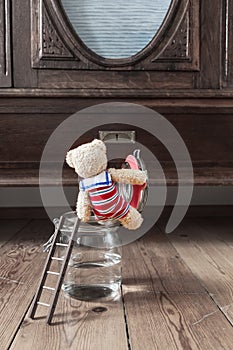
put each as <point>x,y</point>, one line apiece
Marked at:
<point>83,207</point>
<point>128,176</point>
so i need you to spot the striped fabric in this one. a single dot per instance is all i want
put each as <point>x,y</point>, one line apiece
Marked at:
<point>106,201</point>
<point>100,180</point>
<point>116,29</point>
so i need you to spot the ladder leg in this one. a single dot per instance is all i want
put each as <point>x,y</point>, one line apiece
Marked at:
<point>46,268</point>
<point>62,272</point>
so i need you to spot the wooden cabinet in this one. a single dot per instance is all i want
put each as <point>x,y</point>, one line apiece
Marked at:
<point>185,73</point>
<point>192,50</point>
<point>60,60</point>
<point>5,44</point>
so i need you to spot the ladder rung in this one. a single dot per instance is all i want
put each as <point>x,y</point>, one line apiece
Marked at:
<point>55,258</point>
<point>60,274</point>
<point>49,288</point>
<point>53,273</point>
<point>43,304</point>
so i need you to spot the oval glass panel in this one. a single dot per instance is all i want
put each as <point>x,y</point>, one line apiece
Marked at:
<point>116,28</point>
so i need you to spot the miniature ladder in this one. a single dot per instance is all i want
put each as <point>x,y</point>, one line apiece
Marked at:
<point>61,274</point>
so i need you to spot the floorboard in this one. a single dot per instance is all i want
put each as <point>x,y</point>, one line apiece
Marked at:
<point>21,262</point>
<point>9,228</point>
<point>166,306</point>
<point>177,292</point>
<point>222,230</point>
<point>207,249</point>
<point>176,321</point>
<point>153,260</point>
<point>76,326</point>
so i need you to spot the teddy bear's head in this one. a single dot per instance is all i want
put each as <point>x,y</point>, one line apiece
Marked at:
<point>89,159</point>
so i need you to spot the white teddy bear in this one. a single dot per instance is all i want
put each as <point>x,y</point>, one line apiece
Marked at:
<point>98,190</point>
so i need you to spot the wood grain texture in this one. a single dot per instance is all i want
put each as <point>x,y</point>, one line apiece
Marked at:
<point>175,321</point>
<point>76,326</point>
<point>194,211</point>
<point>197,96</point>
<point>60,47</point>
<point>171,308</point>
<point>210,44</point>
<point>211,176</point>
<point>119,80</point>
<point>9,228</point>
<point>159,266</point>
<point>207,250</point>
<point>24,136</point>
<point>174,287</point>
<point>67,101</point>
<point>228,41</point>
<point>5,47</point>
<point>169,74</point>
<point>223,234</point>
<point>15,299</point>
<point>24,76</point>
<point>21,262</point>
<point>23,250</point>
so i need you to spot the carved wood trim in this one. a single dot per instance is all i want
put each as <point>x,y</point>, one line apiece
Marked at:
<point>52,44</point>
<point>57,45</point>
<point>49,49</point>
<point>5,32</point>
<point>219,98</point>
<point>179,47</point>
<point>183,46</point>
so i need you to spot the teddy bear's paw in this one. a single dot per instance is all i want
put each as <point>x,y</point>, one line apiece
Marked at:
<point>141,177</point>
<point>83,213</point>
<point>83,217</point>
<point>128,176</point>
<point>132,220</point>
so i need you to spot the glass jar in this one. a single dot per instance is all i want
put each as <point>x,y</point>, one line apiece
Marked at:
<point>94,269</point>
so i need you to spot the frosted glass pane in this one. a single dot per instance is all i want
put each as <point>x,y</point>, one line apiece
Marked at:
<point>116,28</point>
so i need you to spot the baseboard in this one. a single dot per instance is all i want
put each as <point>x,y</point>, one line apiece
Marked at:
<point>40,213</point>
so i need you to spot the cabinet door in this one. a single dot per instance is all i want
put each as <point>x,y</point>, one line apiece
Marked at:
<point>65,55</point>
<point>5,56</point>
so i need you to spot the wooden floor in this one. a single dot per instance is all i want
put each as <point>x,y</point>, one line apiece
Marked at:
<point>177,292</point>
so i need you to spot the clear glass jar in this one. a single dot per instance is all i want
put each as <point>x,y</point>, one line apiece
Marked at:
<point>94,269</point>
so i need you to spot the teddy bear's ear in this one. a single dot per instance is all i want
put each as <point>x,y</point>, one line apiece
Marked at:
<point>69,159</point>
<point>100,144</point>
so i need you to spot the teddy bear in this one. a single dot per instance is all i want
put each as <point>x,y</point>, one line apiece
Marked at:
<point>98,190</point>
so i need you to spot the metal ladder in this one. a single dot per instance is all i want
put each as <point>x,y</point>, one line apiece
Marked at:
<point>60,274</point>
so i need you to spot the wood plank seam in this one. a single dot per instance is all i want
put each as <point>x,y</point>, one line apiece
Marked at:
<point>184,263</point>
<point>210,295</point>
<point>221,309</point>
<point>17,232</point>
<point>21,321</point>
<point>125,318</point>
